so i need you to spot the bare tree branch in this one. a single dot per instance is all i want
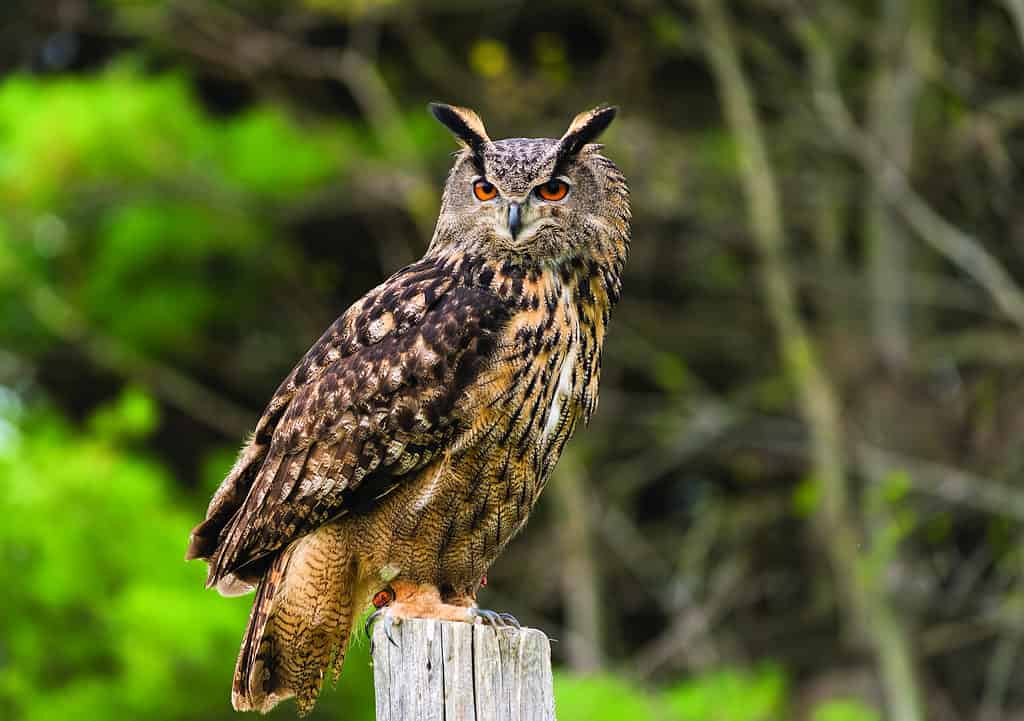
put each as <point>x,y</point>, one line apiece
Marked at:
<point>892,102</point>
<point>957,246</point>
<point>581,585</point>
<point>871,609</point>
<point>1016,9</point>
<point>946,482</point>
<point>167,383</point>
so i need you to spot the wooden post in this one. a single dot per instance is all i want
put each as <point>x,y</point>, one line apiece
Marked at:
<point>449,671</point>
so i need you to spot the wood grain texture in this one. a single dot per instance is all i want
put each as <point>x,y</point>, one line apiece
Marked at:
<point>453,671</point>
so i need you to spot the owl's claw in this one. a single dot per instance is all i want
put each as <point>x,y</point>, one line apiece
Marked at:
<point>370,620</point>
<point>387,620</point>
<point>494,619</point>
<point>389,623</point>
<point>381,600</point>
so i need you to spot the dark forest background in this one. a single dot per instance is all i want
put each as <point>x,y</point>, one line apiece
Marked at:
<point>802,496</point>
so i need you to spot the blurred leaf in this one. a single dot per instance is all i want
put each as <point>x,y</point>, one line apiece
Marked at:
<point>132,415</point>
<point>807,496</point>
<point>844,710</point>
<point>86,642</point>
<point>350,8</point>
<point>551,55</point>
<point>668,29</point>
<point>489,58</point>
<point>600,698</point>
<point>103,618</point>
<point>250,150</point>
<point>671,373</point>
<point>895,486</point>
<point>174,211</point>
<point>731,695</point>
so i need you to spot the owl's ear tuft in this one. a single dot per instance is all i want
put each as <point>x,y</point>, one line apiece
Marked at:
<point>464,124</point>
<point>585,128</point>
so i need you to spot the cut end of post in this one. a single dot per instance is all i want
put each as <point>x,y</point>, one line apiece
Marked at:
<point>461,672</point>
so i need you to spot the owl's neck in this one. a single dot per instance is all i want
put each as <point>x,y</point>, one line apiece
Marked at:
<point>593,281</point>
<point>592,262</point>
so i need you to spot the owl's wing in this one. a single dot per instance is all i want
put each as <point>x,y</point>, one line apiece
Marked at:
<point>373,400</point>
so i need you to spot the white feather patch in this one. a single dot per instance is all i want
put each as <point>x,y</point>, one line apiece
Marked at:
<point>564,389</point>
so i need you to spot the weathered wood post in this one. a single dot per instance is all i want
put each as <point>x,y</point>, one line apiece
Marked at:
<point>447,671</point>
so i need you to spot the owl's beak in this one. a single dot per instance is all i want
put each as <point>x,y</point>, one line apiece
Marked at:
<point>514,218</point>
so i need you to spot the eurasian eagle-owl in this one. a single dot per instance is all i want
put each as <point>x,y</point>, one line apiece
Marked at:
<point>410,443</point>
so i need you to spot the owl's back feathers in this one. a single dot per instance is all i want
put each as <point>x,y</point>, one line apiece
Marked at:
<point>372,401</point>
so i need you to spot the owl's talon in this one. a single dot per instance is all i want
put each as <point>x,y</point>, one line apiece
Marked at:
<point>510,620</point>
<point>381,600</point>
<point>389,623</point>
<point>493,618</point>
<point>370,620</point>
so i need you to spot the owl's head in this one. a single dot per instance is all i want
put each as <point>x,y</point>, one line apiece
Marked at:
<point>545,199</point>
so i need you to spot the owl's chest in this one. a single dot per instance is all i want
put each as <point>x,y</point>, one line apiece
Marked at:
<point>529,397</point>
<point>515,416</point>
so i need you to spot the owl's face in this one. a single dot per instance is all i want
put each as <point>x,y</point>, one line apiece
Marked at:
<point>539,198</point>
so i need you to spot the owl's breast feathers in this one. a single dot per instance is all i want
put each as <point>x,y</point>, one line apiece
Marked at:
<point>447,356</point>
<point>543,375</point>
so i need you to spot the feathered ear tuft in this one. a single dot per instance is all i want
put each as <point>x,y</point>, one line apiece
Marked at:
<point>584,129</point>
<point>464,124</point>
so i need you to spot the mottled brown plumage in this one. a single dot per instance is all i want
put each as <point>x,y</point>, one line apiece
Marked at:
<point>411,442</point>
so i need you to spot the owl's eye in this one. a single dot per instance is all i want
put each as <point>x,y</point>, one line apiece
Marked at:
<point>552,190</point>
<point>484,190</point>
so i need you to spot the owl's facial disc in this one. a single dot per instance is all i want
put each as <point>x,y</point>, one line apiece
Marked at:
<point>517,217</point>
<point>520,220</point>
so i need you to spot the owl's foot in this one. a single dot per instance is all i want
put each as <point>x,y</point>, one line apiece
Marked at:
<point>381,600</point>
<point>494,618</point>
<point>411,600</point>
<point>404,599</point>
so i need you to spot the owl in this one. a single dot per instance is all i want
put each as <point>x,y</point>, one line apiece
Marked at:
<point>411,442</point>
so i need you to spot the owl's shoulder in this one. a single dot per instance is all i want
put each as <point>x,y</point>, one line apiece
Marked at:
<point>376,396</point>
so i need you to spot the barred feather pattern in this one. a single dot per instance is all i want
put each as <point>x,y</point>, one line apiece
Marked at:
<point>413,439</point>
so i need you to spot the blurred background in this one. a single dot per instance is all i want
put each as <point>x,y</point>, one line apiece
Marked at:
<point>802,495</point>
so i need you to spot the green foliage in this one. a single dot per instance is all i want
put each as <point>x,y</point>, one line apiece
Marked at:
<point>97,619</point>
<point>166,251</point>
<point>100,618</point>
<point>725,695</point>
<point>489,58</point>
<point>731,695</point>
<point>601,698</point>
<point>133,415</point>
<point>894,520</point>
<point>351,8</point>
<point>844,710</point>
<point>671,373</point>
<point>122,127</point>
<point>807,496</point>
<point>132,197</point>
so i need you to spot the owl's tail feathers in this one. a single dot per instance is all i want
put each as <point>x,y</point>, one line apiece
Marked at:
<point>300,624</point>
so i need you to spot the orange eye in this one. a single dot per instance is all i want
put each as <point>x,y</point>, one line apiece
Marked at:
<point>552,190</point>
<point>484,190</point>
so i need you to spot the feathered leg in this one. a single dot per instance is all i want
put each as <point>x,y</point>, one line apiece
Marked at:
<point>300,623</point>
